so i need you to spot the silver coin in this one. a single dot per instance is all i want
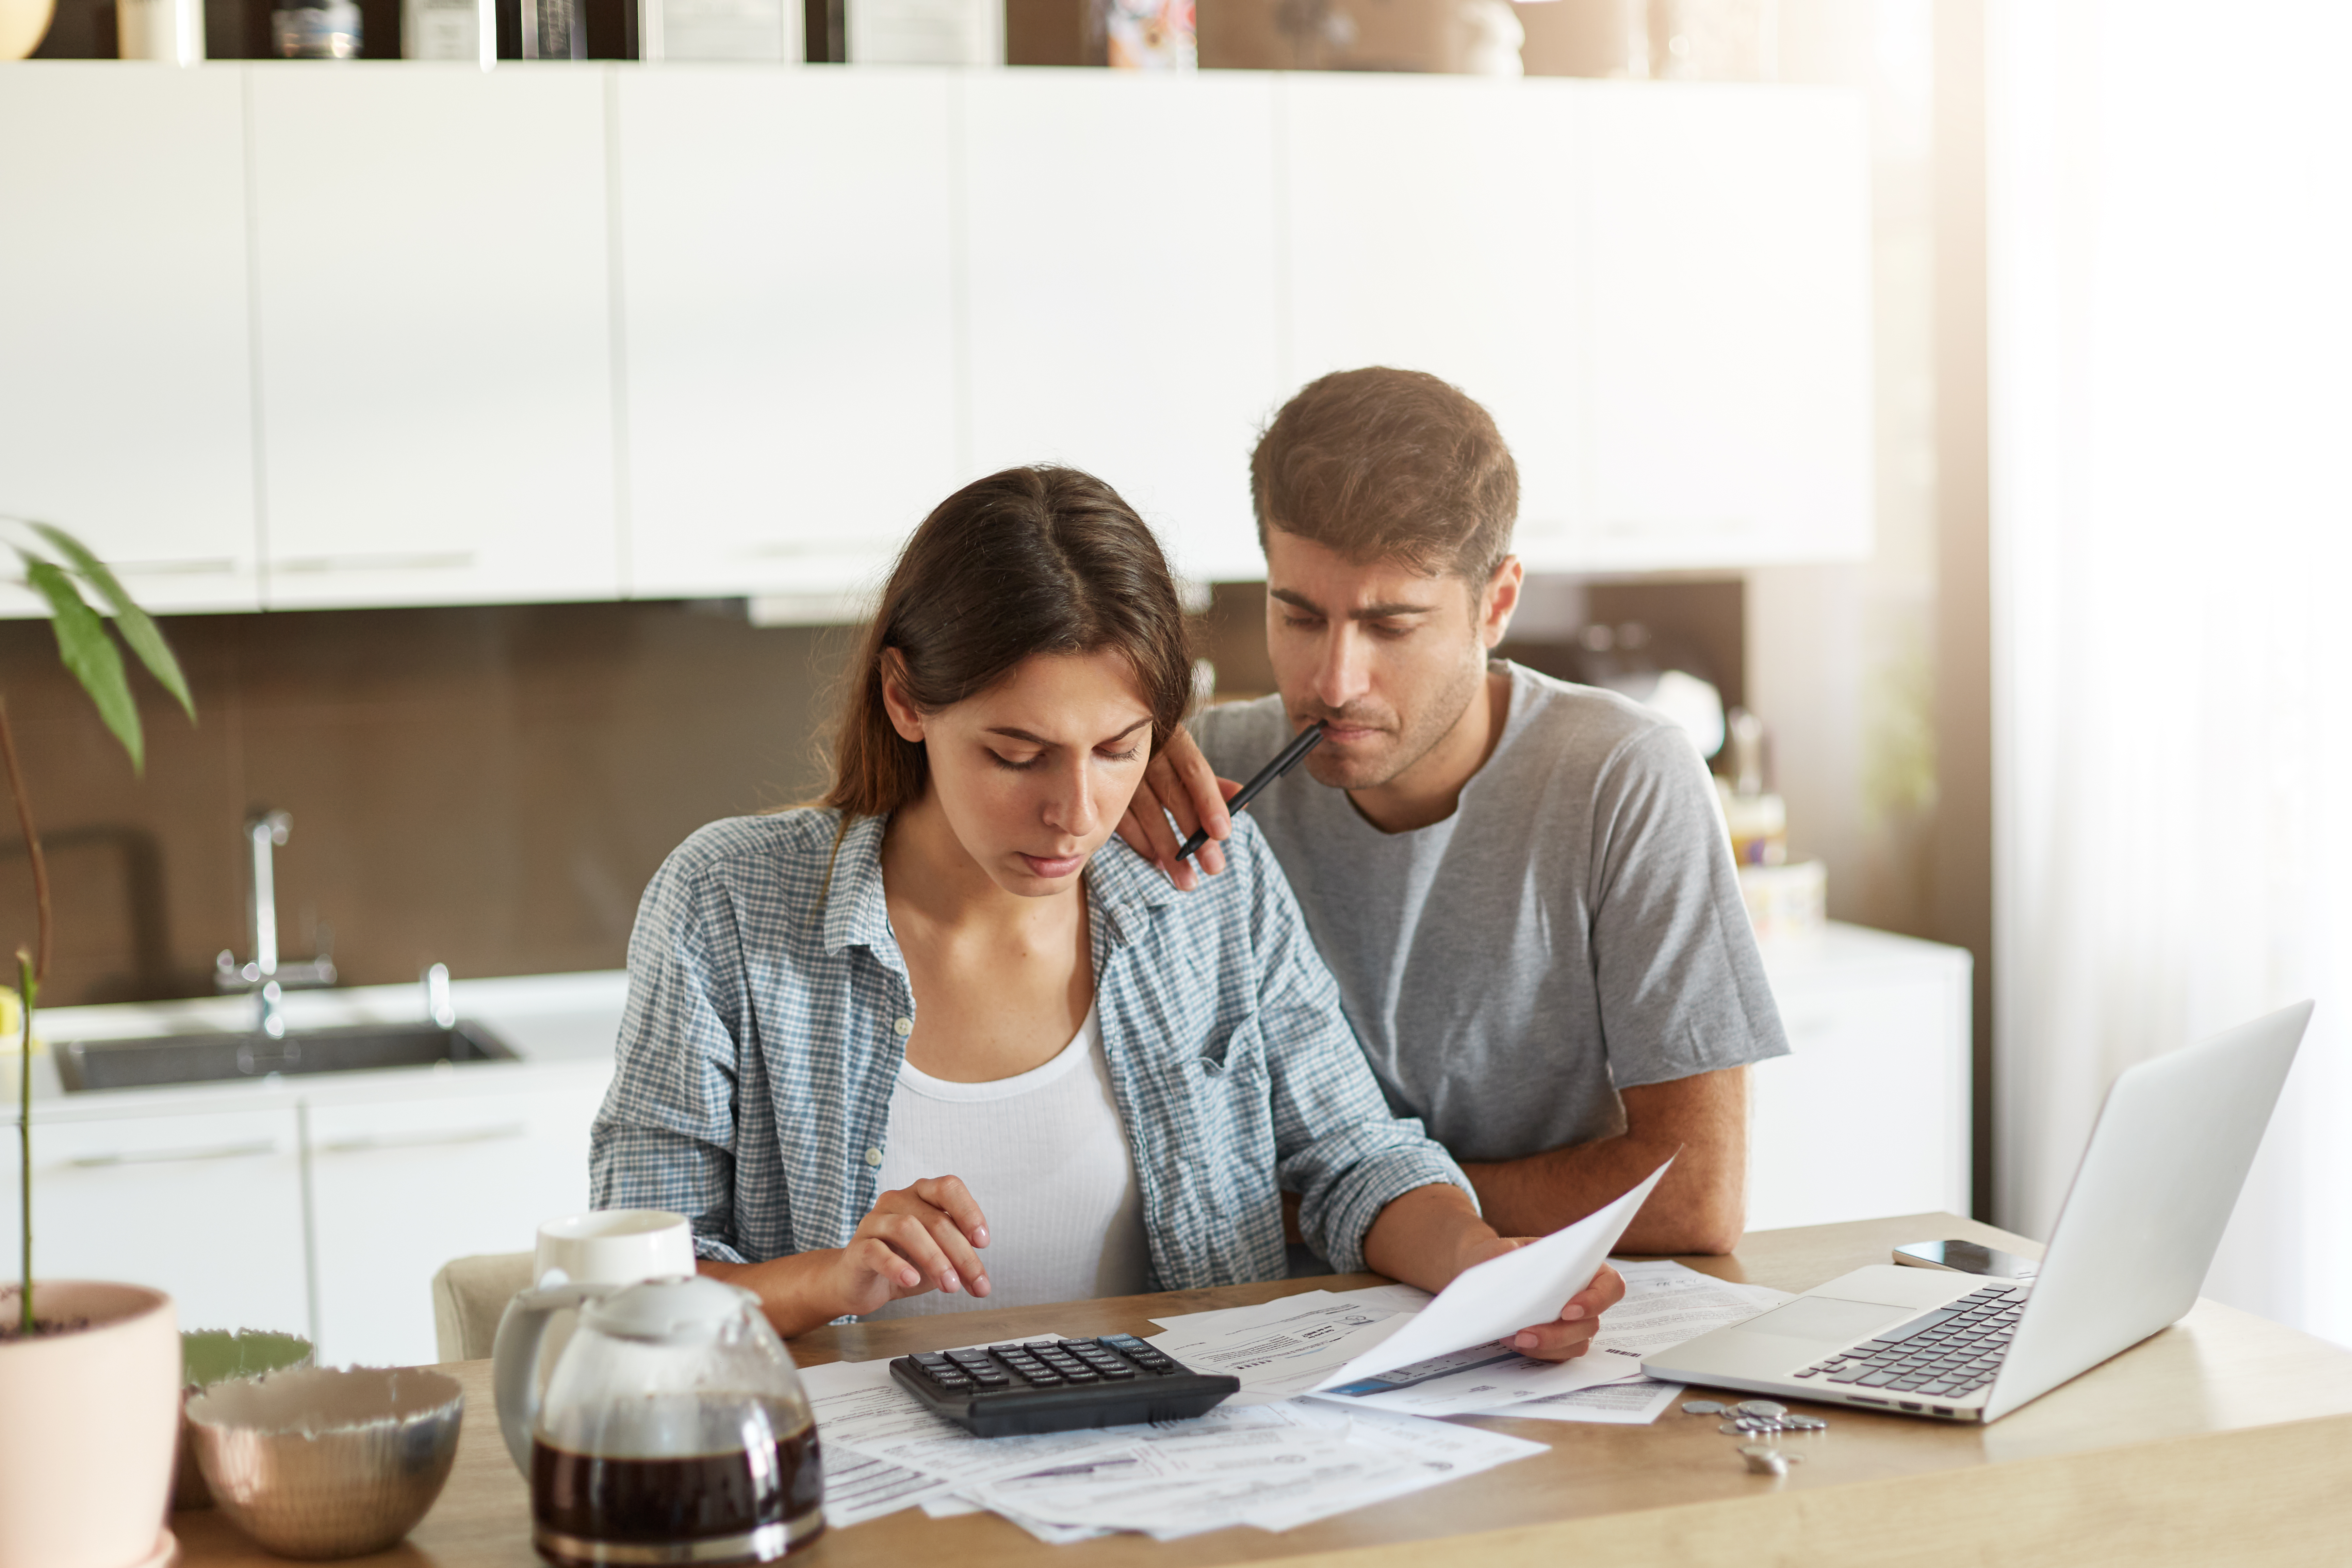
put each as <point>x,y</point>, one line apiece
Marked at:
<point>1769,1449</point>
<point>1805,1423</point>
<point>1760,1408</point>
<point>1765,1461</point>
<point>1701,1407</point>
<point>1734,1428</point>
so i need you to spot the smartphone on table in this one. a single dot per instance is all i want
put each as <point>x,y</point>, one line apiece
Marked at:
<point>1967,1258</point>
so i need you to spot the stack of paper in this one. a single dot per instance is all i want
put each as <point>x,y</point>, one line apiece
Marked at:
<point>1273,1466</point>
<point>1335,1412</point>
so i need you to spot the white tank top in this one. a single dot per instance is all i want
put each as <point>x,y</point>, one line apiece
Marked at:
<point>1047,1161</point>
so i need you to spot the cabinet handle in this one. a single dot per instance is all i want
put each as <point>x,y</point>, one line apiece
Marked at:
<point>424,1140</point>
<point>194,566</point>
<point>173,1156</point>
<point>407,560</point>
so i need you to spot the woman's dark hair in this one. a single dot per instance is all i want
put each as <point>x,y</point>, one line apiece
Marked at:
<point>1026,562</point>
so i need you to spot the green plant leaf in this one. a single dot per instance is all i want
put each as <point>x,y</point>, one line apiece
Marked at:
<point>132,622</point>
<point>91,653</point>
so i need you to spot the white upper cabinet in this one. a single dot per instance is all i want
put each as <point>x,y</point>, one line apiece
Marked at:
<point>404,334</point>
<point>1433,226</point>
<point>787,280</point>
<point>1730,332</point>
<point>1121,238</point>
<point>432,281</point>
<point>126,409</point>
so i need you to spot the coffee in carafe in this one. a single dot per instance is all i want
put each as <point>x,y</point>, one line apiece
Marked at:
<point>749,1502</point>
<point>673,1429</point>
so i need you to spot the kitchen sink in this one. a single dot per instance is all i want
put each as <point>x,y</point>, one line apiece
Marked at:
<point>222,1058</point>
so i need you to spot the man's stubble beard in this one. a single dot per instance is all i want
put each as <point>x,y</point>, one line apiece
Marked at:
<point>1436,721</point>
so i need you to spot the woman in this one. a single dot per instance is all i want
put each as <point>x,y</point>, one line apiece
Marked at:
<point>940,1039</point>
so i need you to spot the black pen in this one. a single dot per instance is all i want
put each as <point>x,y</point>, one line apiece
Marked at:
<point>1306,741</point>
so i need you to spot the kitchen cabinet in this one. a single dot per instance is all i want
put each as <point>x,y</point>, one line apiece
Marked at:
<point>409,334</point>
<point>126,401</point>
<point>405,1181</point>
<point>431,278</point>
<point>1120,278</point>
<point>1433,224</point>
<point>406,1170</point>
<point>787,285</point>
<point>323,1203</point>
<point>1727,345</point>
<point>1869,1114</point>
<point>205,1205</point>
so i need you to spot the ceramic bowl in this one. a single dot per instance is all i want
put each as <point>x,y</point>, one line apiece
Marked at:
<point>208,1356</point>
<point>320,1462</point>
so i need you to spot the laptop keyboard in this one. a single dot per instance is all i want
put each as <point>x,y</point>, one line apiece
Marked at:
<point>1949,1353</point>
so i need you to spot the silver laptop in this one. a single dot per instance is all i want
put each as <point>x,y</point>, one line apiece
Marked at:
<point>2138,1232</point>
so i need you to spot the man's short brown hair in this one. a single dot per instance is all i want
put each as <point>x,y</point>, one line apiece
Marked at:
<point>1382,464</point>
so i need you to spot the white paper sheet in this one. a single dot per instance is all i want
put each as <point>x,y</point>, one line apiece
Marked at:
<point>1665,1303</point>
<point>1201,1322</point>
<point>1389,1297</point>
<point>849,1396</point>
<point>1395,1297</point>
<point>1630,1402</point>
<point>1280,1348</point>
<point>860,1487</point>
<point>861,1413</point>
<point>1273,1467</point>
<point>1503,1294</point>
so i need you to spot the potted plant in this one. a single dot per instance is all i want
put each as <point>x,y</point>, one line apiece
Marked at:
<point>90,1372</point>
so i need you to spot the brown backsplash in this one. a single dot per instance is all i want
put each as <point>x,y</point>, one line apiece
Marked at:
<point>485,787</point>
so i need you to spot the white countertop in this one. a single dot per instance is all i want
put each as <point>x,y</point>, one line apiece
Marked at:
<point>566,1024</point>
<point>556,1022</point>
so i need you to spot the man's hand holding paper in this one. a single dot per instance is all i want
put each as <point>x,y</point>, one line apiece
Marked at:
<point>1569,1333</point>
<point>1508,1298</point>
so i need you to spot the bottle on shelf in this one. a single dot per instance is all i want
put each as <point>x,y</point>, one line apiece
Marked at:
<point>718,29</point>
<point>315,30</point>
<point>553,30</point>
<point>449,30</point>
<point>172,31</point>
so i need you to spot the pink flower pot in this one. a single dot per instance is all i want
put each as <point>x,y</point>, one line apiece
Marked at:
<point>87,1424</point>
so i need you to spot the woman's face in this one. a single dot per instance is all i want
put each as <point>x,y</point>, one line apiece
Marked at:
<point>1033,774</point>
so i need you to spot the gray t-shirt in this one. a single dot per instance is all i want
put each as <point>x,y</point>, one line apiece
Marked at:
<point>1573,928</point>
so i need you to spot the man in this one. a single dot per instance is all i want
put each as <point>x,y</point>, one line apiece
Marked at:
<point>1523,886</point>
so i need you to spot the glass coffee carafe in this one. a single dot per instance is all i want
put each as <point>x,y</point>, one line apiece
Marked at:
<point>672,1427</point>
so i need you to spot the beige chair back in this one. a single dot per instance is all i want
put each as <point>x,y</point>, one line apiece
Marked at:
<point>470,1296</point>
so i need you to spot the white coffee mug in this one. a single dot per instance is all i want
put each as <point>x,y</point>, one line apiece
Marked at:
<point>613,1246</point>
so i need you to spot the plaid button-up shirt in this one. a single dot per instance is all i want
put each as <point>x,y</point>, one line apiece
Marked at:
<point>766,1021</point>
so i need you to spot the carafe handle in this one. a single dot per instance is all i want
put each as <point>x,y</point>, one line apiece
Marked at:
<point>514,1359</point>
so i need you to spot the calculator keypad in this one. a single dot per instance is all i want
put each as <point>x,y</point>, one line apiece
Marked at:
<point>1057,1384</point>
<point>1066,1363</point>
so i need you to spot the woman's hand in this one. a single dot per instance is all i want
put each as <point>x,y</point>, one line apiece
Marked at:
<point>921,1238</point>
<point>1430,1234</point>
<point>1569,1335</point>
<point>918,1238</point>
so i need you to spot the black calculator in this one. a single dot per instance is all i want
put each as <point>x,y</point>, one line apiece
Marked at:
<point>1058,1385</point>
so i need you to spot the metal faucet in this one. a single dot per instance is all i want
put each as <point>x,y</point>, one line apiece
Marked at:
<point>265,976</point>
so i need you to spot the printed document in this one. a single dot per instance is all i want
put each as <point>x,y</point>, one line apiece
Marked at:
<point>1501,1295</point>
<point>1665,1303</point>
<point>1273,1467</point>
<point>1280,1348</point>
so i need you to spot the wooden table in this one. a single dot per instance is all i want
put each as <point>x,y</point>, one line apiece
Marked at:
<point>2225,1439</point>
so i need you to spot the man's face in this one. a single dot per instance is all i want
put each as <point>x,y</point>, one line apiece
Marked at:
<point>1387,658</point>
